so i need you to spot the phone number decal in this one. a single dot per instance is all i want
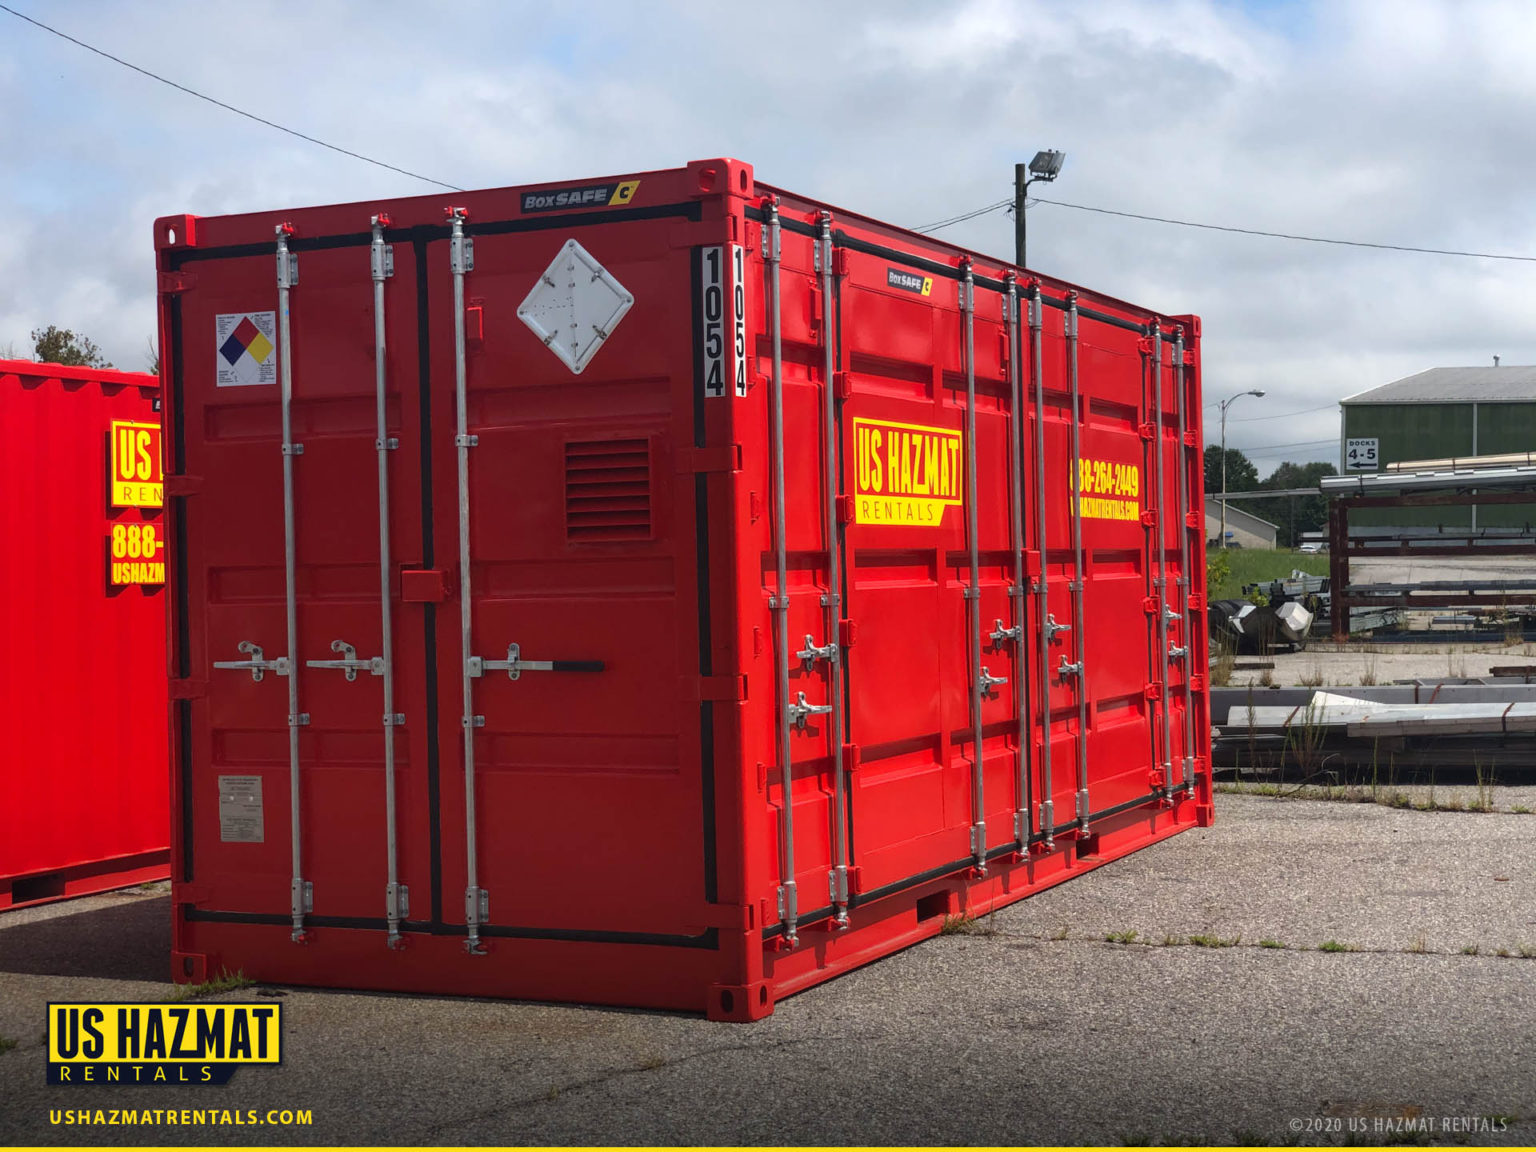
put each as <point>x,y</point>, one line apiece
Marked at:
<point>1108,490</point>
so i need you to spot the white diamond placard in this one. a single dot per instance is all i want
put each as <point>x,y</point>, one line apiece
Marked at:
<point>575,306</point>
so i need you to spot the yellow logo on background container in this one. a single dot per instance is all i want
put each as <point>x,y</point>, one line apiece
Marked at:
<point>137,479</point>
<point>159,1043</point>
<point>906,474</point>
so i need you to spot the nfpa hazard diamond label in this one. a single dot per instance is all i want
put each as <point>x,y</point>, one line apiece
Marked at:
<point>245,348</point>
<point>575,306</point>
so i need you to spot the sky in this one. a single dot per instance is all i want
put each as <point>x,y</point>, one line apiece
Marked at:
<point>1390,121</point>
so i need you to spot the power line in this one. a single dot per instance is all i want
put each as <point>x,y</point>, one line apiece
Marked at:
<point>964,216</point>
<point>221,104</point>
<point>1292,235</point>
<point>1229,228</point>
<point>1279,416</point>
<point>1266,451</point>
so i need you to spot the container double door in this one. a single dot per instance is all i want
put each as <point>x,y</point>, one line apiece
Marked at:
<point>582,761</point>
<point>904,614</point>
<point>1073,721</point>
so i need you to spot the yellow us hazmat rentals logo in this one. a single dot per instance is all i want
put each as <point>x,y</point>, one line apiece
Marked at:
<point>159,1043</point>
<point>907,474</point>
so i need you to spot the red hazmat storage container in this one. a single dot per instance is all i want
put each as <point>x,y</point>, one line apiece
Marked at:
<point>82,628</point>
<point>510,655</point>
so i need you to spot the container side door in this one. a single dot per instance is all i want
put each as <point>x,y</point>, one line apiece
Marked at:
<point>1119,631</point>
<point>908,570</point>
<point>588,777</point>
<point>238,765</point>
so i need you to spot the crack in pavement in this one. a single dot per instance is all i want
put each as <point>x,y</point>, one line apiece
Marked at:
<point>1528,953</point>
<point>557,1091</point>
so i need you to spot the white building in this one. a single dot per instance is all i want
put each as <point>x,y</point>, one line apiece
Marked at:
<point>1244,529</point>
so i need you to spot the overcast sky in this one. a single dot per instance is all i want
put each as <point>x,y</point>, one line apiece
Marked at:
<point>1394,121</point>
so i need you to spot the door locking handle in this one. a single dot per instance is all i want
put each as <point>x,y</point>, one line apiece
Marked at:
<point>514,665</point>
<point>800,711</point>
<point>257,665</point>
<point>349,663</point>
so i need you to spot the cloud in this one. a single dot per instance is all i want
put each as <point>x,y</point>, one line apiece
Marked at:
<point>1400,122</point>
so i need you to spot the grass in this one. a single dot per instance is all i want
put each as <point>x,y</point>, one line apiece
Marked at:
<point>1268,943</point>
<point>7,1043</point>
<point>1471,950</point>
<point>1261,566</point>
<point>1374,793</point>
<point>1222,659</point>
<point>1335,946</point>
<point>968,924</point>
<point>1126,937</point>
<point>224,982</point>
<point>1204,941</point>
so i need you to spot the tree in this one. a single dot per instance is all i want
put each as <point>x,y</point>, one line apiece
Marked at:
<point>1293,515</point>
<point>151,357</point>
<point>1242,476</point>
<point>54,345</point>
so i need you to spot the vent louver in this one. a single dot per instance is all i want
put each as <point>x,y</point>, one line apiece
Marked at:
<point>608,490</point>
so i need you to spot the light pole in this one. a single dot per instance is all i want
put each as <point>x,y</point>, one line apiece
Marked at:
<point>1045,166</point>
<point>1224,404</point>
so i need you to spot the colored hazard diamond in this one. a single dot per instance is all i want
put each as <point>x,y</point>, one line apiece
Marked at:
<point>259,348</point>
<point>245,332</point>
<point>232,349</point>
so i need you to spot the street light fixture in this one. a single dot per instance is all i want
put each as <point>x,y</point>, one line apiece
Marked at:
<point>1046,166</point>
<point>1224,404</point>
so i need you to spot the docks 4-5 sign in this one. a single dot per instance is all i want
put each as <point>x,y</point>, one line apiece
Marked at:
<point>1361,454</point>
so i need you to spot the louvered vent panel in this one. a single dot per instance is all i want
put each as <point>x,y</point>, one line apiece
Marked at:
<point>608,490</point>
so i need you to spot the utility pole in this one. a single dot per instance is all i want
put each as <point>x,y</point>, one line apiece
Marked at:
<point>1020,185</point>
<point>1045,166</point>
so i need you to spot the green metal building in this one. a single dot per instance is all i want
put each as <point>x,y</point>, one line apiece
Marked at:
<point>1434,415</point>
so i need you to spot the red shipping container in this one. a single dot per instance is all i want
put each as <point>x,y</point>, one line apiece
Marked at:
<point>82,626</point>
<point>510,656</point>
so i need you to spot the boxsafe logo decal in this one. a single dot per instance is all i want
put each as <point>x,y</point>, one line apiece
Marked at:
<point>907,473</point>
<point>1108,490</point>
<point>246,348</point>
<point>587,196</point>
<point>159,1043</point>
<point>909,281</point>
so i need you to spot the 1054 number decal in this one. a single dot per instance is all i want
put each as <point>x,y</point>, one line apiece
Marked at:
<point>721,281</point>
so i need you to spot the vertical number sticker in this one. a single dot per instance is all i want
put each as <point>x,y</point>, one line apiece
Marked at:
<point>739,308</point>
<point>712,318</point>
<point>722,298</point>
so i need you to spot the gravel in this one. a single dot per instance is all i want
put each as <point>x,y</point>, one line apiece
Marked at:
<point>1031,1028</point>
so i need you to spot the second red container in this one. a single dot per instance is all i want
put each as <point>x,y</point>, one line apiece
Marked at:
<point>82,629</point>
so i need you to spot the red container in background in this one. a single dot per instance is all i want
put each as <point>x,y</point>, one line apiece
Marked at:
<point>720,529</point>
<point>82,629</point>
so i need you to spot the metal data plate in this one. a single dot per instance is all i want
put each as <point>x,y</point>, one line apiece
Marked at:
<point>575,306</point>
